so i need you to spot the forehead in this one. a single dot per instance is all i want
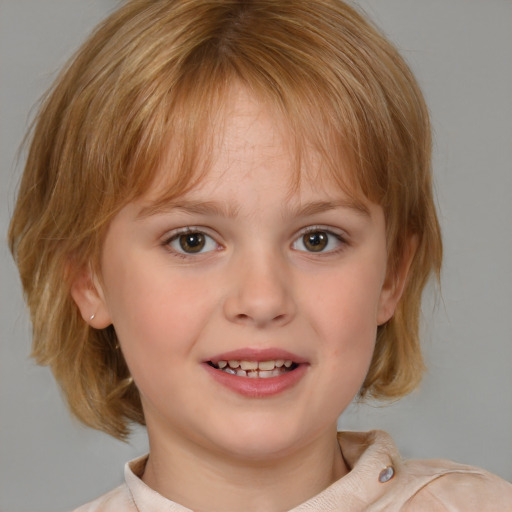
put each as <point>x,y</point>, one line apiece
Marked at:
<point>246,139</point>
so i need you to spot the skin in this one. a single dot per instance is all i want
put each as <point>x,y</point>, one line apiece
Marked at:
<point>254,285</point>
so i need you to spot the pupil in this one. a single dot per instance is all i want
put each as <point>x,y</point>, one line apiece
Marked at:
<point>192,242</point>
<point>315,241</point>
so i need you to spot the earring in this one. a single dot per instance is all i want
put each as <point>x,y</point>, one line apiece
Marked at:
<point>91,318</point>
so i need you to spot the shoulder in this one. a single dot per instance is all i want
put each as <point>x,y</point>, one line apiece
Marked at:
<point>416,485</point>
<point>119,499</point>
<point>447,486</point>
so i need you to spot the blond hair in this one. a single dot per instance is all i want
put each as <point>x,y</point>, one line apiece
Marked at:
<point>151,75</point>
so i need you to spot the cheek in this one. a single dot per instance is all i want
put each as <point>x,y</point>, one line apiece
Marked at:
<point>348,301</point>
<point>344,310</point>
<point>352,329</point>
<point>156,313</point>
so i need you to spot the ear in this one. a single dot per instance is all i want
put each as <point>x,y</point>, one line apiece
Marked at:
<point>394,284</point>
<point>88,296</point>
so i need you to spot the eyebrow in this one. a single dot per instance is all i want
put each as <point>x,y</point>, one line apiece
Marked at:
<point>230,211</point>
<point>323,206</point>
<point>190,207</point>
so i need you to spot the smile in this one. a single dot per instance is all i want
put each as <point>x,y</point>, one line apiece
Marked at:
<point>257,373</point>
<point>255,369</point>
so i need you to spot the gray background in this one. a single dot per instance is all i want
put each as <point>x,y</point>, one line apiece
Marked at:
<point>461,51</point>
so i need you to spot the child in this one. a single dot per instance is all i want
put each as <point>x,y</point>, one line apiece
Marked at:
<point>223,231</point>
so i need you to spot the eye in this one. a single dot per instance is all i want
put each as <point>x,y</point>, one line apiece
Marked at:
<point>318,240</point>
<point>192,242</point>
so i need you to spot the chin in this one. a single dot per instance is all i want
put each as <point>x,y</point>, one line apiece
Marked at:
<point>255,440</point>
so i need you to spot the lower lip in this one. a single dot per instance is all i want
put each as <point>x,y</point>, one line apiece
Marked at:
<point>258,388</point>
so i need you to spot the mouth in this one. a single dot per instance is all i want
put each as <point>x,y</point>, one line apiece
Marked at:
<point>255,369</point>
<point>257,373</point>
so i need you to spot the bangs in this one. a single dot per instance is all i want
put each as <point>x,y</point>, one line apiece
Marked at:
<point>325,148</point>
<point>343,95</point>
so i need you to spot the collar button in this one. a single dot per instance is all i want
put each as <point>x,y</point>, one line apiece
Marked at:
<point>386,474</point>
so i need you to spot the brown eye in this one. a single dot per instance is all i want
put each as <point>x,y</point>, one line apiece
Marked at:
<point>320,241</point>
<point>315,241</point>
<point>192,242</point>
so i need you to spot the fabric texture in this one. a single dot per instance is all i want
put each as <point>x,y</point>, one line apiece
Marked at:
<point>416,485</point>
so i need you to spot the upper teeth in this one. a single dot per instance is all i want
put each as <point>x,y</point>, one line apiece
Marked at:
<point>255,365</point>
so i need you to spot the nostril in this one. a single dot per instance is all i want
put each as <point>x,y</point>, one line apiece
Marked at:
<point>258,309</point>
<point>242,317</point>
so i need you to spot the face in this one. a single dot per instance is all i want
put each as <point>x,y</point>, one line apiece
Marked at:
<point>246,310</point>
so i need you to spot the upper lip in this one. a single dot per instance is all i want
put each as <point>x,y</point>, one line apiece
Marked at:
<point>254,354</point>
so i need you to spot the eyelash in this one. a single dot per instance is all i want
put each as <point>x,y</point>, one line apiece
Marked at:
<point>175,236</point>
<point>338,237</point>
<point>192,230</point>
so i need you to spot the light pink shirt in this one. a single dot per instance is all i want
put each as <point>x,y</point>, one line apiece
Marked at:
<point>379,480</point>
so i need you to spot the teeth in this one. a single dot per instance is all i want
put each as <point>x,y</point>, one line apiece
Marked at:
<point>255,369</point>
<point>272,373</point>
<point>249,365</point>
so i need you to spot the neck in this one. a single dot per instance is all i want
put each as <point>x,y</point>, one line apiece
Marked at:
<point>203,481</point>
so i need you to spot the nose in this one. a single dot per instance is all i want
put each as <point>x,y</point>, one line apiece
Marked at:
<point>261,293</point>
